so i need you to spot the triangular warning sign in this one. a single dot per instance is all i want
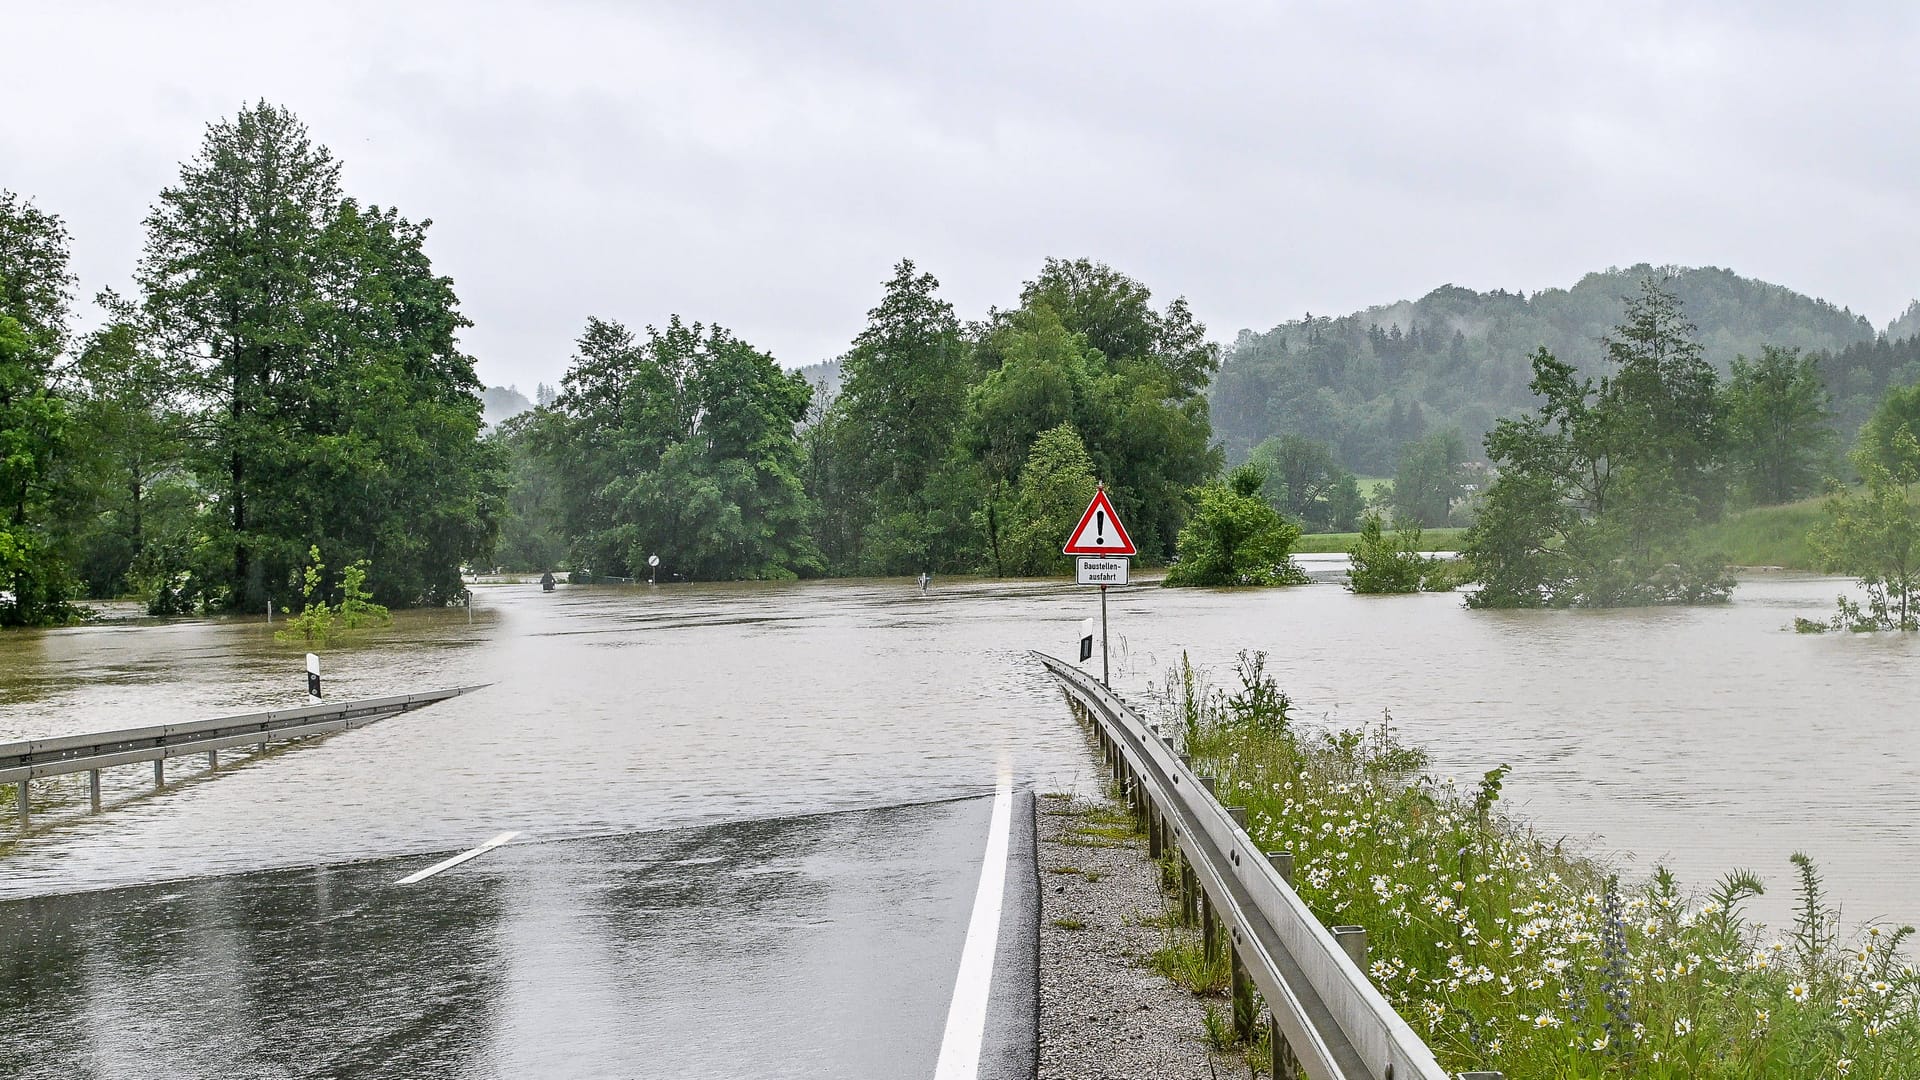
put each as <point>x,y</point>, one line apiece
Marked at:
<point>1099,531</point>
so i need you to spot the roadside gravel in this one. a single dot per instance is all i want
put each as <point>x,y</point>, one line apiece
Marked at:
<point>1104,1013</point>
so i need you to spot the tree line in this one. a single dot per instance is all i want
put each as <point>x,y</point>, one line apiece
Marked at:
<point>285,376</point>
<point>949,447</point>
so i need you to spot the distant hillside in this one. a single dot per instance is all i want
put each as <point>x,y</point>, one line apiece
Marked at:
<point>1368,382</point>
<point>825,374</point>
<point>501,404</point>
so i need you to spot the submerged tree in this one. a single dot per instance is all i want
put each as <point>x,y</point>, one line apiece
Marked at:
<point>34,286</point>
<point>1233,537</point>
<point>1873,534</point>
<point>319,347</point>
<point>1598,486</point>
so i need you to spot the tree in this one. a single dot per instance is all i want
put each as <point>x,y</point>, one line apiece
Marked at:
<point>681,445</point>
<point>894,423</point>
<point>1897,414</point>
<point>1429,478</point>
<point>1233,537</point>
<point>1306,482</point>
<point>1383,563</point>
<point>34,287</point>
<point>1664,396</point>
<point>333,402</point>
<point>128,497</point>
<point>229,275</point>
<point>1778,436</point>
<point>1587,510</point>
<point>1874,535</point>
<point>1056,485</point>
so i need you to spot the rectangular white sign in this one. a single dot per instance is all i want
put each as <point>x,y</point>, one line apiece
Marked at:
<point>1096,571</point>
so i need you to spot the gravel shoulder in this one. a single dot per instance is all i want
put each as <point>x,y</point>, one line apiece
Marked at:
<point>1105,1013</point>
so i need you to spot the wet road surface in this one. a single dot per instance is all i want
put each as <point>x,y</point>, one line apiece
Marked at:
<point>811,946</point>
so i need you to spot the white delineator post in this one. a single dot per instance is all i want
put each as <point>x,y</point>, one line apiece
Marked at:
<point>313,678</point>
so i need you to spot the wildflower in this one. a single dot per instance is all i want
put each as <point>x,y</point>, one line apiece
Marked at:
<point>1601,1042</point>
<point>1683,1026</point>
<point>1843,1066</point>
<point>1882,987</point>
<point>1761,1016</point>
<point>1798,992</point>
<point>1546,1020</point>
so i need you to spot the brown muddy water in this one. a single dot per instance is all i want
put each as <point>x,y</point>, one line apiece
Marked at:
<point>1704,738</point>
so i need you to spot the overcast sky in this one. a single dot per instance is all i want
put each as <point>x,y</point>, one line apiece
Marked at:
<point>763,165</point>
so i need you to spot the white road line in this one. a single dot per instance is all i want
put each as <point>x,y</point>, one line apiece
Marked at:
<point>457,859</point>
<point>967,1016</point>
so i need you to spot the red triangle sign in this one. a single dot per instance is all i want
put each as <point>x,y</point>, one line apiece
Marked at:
<point>1099,531</point>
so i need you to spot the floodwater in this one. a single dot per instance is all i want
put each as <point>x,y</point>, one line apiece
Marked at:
<point>1705,738</point>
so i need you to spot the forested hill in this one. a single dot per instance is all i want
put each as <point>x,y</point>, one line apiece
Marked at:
<point>1366,383</point>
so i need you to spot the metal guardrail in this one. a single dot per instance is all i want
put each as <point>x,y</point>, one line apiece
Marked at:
<point>1324,1014</point>
<point>21,762</point>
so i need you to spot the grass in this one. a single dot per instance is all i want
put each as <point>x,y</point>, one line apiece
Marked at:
<point>1341,543</point>
<point>1766,535</point>
<point>1508,952</point>
<point>1069,924</point>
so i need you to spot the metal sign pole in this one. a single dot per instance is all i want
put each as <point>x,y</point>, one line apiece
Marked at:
<point>1103,637</point>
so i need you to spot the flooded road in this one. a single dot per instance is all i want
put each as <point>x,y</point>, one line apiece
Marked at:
<point>1704,738</point>
<point>805,947</point>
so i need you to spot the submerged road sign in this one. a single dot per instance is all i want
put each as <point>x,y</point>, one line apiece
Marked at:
<point>1099,531</point>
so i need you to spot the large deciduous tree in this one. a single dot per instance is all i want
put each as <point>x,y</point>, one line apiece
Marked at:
<point>680,445</point>
<point>334,405</point>
<point>34,290</point>
<point>1779,437</point>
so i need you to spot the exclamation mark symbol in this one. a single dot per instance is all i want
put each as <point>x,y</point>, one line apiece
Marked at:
<point>1099,528</point>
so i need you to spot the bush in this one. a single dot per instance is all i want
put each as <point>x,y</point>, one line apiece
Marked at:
<point>1384,564</point>
<point>1235,538</point>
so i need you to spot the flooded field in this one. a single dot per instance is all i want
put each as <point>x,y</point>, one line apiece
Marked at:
<point>1705,738</point>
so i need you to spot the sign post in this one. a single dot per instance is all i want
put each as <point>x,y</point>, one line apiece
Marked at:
<point>653,569</point>
<point>1104,547</point>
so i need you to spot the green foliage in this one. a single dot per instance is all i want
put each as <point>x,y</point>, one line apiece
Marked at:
<point>1056,485</point>
<point>317,620</point>
<point>1779,440</point>
<point>1393,564</point>
<point>317,351</point>
<point>1234,538</point>
<point>1874,535</point>
<point>1505,951</point>
<point>1367,383</point>
<point>681,445</point>
<point>1766,536</point>
<point>1430,479</point>
<point>1306,483</point>
<point>1599,487</point>
<point>533,534</point>
<point>34,421</point>
<point>1897,415</point>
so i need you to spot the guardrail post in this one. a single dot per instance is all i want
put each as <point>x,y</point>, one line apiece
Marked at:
<point>213,759</point>
<point>93,788</point>
<point>1283,865</point>
<point>20,793</point>
<point>1285,1065</point>
<point>1354,940</point>
<point>1209,938</point>
<point>1154,845</point>
<point>1242,989</point>
<point>159,772</point>
<point>1239,816</point>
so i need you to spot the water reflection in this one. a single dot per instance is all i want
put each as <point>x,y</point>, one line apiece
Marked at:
<point>787,948</point>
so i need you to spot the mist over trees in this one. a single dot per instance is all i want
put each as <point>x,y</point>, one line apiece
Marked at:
<point>1367,383</point>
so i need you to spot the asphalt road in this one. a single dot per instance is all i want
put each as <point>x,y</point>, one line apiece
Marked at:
<point>820,946</point>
